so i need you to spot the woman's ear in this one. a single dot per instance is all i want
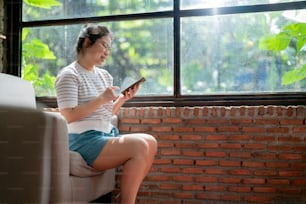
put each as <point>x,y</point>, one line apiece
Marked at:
<point>87,43</point>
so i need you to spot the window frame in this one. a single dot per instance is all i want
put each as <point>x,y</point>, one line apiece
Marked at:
<point>13,61</point>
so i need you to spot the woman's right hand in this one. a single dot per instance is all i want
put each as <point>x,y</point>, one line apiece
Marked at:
<point>109,94</point>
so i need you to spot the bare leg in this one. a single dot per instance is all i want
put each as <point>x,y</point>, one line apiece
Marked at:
<point>136,152</point>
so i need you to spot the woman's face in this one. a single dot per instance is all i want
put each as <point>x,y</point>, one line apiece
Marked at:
<point>99,51</point>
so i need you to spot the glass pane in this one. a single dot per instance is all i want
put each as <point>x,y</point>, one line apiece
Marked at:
<point>244,53</point>
<point>140,48</point>
<point>64,9</point>
<point>200,4</point>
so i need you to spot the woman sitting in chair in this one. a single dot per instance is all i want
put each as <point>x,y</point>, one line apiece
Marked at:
<point>86,98</point>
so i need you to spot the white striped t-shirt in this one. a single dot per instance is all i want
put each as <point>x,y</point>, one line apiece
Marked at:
<point>76,85</point>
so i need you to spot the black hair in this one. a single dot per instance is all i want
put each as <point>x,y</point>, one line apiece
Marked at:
<point>93,32</point>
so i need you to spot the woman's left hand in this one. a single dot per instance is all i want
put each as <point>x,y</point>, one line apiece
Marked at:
<point>130,93</point>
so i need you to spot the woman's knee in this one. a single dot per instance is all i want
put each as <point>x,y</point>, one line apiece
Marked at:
<point>151,141</point>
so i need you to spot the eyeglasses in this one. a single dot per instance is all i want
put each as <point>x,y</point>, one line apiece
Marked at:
<point>106,46</point>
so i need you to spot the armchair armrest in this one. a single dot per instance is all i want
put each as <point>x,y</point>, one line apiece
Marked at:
<point>25,146</point>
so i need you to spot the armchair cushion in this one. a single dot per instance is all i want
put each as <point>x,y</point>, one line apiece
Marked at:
<point>78,166</point>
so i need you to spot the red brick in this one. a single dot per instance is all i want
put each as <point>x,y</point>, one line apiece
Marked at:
<point>240,189</point>
<point>186,145</point>
<point>218,121</point>
<point>265,172</point>
<point>182,129</point>
<point>215,154</point>
<point>171,120</point>
<point>157,178</point>
<point>140,129</point>
<point>183,162</point>
<point>162,161</point>
<point>267,121</point>
<point>183,178</point>
<point>215,171</point>
<point>192,187</point>
<point>253,181</point>
<point>191,137</point>
<point>291,173</point>
<point>290,156</point>
<point>277,164</point>
<point>230,180</point>
<point>168,137</point>
<point>228,129</point>
<point>151,121</point>
<point>205,129</point>
<point>278,181</point>
<point>253,130</point>
<point>240,172</point>
<point>130,120</point>
<point>230,197</point>
<point>240,154</point>
<point>239,137</point>
<point>264,189</point>
<point>193,170</point>
<point>183,195</point>
<point>300,182</point>
<point>215,188</point>
<point>169,186</point>
<point>299,130</point>
<point>253,164</point>
<point>170,169</point>
<point>254,146</point>
<point>241,121</point>
<point>193,153</point>
<point>208,196</point>
<point>216,137</point>
<point>167,152</point>
<point>263,155</point>
<point>161,129</point>
<point>291,122</point>
<point>290,190</point>
<point>230,146</point>
<point>229,163</point>
<point>162,144</point>
<point>257,198</point>
<point>206,162</point>
<point>278,130</point>
<point>206,179</point>
<point>195,122</point>
<point>208,145</point>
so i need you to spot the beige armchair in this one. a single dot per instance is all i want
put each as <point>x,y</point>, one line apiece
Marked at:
<point>36,165</point>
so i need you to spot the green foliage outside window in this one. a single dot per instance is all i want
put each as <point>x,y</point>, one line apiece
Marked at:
<point>143,47</point>
<point>292,35</point>
<point>35,49</point>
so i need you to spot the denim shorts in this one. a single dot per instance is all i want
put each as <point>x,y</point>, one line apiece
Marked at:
<point>90,143</point>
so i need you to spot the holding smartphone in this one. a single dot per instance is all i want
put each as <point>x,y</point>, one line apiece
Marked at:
<point>141,80</point>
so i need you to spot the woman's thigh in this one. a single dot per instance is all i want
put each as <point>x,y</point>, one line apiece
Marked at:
<point>120,149</point>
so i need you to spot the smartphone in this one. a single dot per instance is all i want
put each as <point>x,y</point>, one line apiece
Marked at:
<point>141,80</point>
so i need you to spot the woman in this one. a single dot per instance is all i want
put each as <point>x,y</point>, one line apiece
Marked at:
<point>86,98</point>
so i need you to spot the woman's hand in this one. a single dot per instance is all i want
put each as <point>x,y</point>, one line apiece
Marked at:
<point>130,93</point>
<point>109,94</point>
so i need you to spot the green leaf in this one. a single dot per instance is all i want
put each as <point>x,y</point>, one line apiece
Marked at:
<point>296,29</point>
<point>30,72</point>
<point>46,4</point>
<point>294,75</point>
<point>38,49</point>
<point>275,42</point>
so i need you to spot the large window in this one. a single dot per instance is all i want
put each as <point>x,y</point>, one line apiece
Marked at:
<point>189,50</point>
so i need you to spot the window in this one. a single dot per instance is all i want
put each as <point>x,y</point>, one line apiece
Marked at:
<point>191,51</point>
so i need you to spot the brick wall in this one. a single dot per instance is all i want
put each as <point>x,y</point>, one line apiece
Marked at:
<point>223,154</point>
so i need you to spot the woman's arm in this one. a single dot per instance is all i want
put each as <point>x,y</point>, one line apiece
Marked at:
<point>81,111</point>
<point>118,103</point>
